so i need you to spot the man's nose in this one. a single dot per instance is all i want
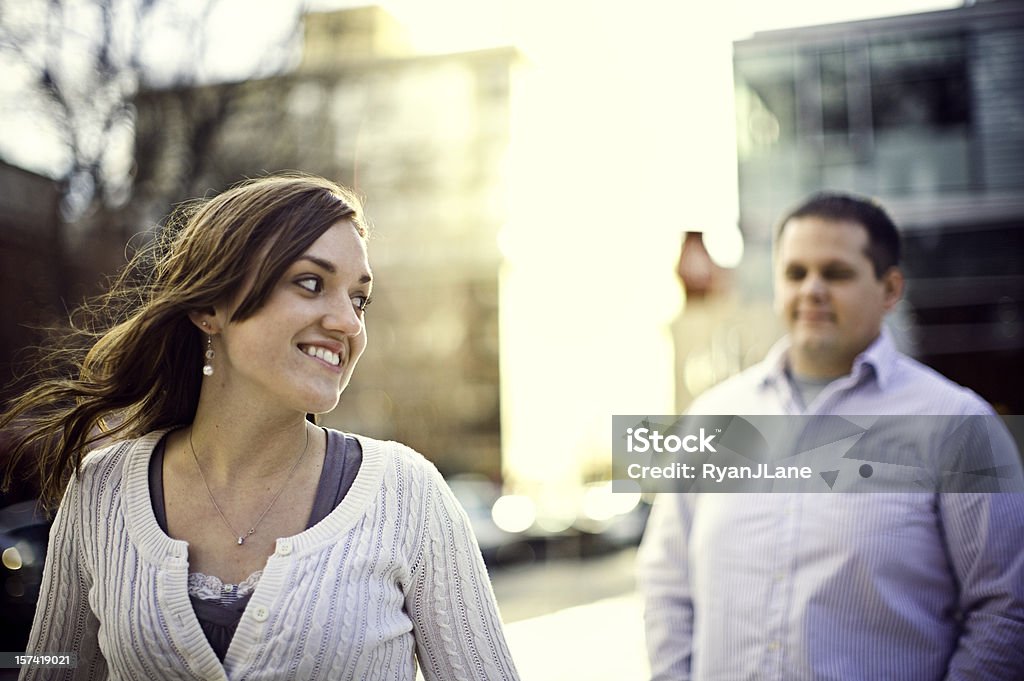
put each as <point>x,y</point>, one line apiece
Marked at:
<point>813,286</point>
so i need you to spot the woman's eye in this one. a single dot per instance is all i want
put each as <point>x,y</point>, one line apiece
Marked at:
<point>361,302</point>
<point>311,284</point>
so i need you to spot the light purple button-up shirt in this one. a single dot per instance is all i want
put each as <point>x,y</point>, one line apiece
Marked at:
<point>858,587</point>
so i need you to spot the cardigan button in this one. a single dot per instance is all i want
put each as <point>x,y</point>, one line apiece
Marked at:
<point>284,548</point>
<point>260,614</point>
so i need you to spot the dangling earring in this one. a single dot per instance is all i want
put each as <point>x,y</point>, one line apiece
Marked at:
<point>208,364</point>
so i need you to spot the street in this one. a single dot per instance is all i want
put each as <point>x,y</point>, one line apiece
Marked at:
<point>574,619</point>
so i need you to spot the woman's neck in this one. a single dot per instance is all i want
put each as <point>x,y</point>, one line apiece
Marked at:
<point>247,444</point>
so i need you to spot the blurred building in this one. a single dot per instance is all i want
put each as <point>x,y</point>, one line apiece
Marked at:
<point>32,273</point>
<point>423,138</point>
<point>924,112</point>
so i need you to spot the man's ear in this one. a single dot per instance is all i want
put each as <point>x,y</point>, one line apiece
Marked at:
<point>893,282</point>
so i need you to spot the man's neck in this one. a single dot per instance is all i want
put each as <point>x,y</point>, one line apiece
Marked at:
<point>807,387</point>
<point>819,378</point>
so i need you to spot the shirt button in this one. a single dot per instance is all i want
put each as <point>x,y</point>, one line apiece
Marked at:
<point>229,587</point>
<point>260,614</point>
<point>284,548</point>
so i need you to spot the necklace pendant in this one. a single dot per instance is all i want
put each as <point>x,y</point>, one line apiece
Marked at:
<point>241,540</point>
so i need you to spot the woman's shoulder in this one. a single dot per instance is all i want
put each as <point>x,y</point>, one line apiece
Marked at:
<point>106,453</point>
<point>110,457</point>
<point>414,478</point>
<point>401,459</point>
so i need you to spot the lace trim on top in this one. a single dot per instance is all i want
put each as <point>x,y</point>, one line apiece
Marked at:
<point>210,588</point>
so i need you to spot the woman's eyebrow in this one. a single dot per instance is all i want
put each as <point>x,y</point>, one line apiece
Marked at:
<point>329,266</point>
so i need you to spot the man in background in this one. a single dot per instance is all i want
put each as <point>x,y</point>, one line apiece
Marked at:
<point>858,587</point>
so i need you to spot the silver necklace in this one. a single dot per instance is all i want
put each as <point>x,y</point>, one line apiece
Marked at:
<point>242,537</point>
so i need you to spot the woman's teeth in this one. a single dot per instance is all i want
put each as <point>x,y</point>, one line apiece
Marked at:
<point>325,355</point>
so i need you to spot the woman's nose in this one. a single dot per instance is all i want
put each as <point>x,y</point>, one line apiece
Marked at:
<point>343,317</point>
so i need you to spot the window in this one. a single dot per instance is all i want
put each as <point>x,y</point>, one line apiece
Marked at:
<point>834,106</point>
<point>919,82</point>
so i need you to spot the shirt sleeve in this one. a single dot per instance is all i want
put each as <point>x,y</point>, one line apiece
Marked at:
<point>63,621</point>
<point>664,582</point>
<point>455,617</point>
<point>985,536</point>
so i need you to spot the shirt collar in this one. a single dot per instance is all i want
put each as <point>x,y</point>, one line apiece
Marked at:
<point>879,357</point>
<point>773,368</point>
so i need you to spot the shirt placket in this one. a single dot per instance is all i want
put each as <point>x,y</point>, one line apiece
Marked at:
<point>781,571</point>
<point>780,591</point>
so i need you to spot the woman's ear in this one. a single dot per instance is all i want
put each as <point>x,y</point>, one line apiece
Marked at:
<point>206,320</point>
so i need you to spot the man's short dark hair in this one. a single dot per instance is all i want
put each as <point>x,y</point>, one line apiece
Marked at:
<point>883,248</point>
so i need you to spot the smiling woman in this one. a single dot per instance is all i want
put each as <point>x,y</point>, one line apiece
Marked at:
<point>304,548</point>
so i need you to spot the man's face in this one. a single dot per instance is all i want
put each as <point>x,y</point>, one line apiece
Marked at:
<point>827,294</point>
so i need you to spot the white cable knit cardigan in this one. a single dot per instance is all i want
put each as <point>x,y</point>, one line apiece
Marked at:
<point>392,575</point>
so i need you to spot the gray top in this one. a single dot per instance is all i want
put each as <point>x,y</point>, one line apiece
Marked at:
<point>808,388</point>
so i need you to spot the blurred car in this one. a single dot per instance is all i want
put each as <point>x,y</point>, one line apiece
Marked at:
<point>24,530</point>
<point>559,523</point>
<point>610,520</point>
<point>23,536</point>
<point>478,496</point>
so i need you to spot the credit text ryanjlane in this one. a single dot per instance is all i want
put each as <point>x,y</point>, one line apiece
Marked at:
<point>710,471</point>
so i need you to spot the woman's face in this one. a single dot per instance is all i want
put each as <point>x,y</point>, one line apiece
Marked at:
<point>300,348</point>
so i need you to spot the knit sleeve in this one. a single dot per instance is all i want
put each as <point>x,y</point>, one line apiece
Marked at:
<point>63,621</point>
<point>456,624</point>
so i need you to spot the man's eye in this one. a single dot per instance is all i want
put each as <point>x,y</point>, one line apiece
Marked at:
<point>311,284</point>
<point>795,274</point>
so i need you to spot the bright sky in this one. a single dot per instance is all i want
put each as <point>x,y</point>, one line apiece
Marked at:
<point>442,25</point>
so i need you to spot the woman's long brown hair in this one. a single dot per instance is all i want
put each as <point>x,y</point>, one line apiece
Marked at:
<point>132,357</point>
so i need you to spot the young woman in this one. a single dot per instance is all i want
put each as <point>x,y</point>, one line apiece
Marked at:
<point>223,535</point>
